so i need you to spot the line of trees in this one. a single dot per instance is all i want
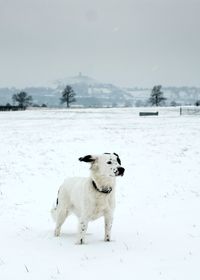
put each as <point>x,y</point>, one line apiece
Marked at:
<point>23,100</point>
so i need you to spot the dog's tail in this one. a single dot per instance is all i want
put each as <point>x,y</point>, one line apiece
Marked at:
<point>54,209</point>
<point>54,212</point>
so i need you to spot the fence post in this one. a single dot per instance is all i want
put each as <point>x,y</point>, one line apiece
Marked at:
<point>180,111</point>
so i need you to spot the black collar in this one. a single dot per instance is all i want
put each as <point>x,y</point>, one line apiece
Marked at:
<point>104,189</point>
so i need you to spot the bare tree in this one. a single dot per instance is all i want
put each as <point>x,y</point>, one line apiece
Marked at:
<point>22,98</point>
<point>68,96</point>
<point>156,97</point>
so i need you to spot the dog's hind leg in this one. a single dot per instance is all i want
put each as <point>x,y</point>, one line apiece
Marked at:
<point>61,215</point>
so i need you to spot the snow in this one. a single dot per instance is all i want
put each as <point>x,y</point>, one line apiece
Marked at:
<point>156,231</point>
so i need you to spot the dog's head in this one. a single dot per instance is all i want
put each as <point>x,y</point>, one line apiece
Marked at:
<point>108,164</point>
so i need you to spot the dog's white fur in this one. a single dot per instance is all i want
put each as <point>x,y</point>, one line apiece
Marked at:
<point>79,196</point>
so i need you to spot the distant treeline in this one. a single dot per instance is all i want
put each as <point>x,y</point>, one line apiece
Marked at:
<point>9,107</point>
<point>85,96</point>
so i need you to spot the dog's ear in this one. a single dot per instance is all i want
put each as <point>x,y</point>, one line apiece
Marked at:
<point>118,159</point>
<point>87,158</point>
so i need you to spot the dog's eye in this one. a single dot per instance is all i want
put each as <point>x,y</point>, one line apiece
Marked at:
<point>109,162</point>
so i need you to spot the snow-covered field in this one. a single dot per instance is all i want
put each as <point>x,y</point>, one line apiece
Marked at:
<point>156,232</point>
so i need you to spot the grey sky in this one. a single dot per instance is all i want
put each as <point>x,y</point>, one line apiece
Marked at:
<point>133,43</point>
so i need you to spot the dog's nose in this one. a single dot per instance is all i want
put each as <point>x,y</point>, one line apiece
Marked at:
<point>121,171</point>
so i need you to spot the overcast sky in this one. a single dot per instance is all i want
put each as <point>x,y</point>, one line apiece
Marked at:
<point>125,42</point>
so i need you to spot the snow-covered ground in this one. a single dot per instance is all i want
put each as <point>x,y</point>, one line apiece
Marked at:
<point>156,232</point>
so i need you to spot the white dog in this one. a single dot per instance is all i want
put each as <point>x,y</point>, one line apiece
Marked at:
<point>89,198</point>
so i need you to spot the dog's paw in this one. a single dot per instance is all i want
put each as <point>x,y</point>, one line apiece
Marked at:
<point>107,239</point>
<point>57,232</point>
<point>80,241</point>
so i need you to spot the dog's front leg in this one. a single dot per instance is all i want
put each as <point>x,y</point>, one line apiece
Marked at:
<point>108,219</point>
<point>82,228</point>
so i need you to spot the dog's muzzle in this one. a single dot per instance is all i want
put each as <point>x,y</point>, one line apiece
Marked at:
<point>120,171</point>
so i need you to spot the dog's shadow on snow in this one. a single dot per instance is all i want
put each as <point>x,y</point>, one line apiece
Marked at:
<point>71,237</point>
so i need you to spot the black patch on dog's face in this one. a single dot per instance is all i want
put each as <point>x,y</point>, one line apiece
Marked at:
<point>118,159</point>
<point>87,158</point>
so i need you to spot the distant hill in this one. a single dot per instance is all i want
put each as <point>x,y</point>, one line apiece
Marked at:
<point>92,93</point>
<point>79,79</point>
